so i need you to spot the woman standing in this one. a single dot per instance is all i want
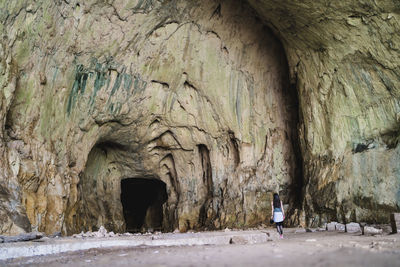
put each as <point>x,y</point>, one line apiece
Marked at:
<point>278,213</point>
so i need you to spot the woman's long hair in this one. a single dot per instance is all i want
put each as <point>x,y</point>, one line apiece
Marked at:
<point>277,201</point>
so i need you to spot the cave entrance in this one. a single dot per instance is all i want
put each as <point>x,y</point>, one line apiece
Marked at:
<point>142,203</point>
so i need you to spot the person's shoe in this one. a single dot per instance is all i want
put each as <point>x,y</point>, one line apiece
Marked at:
<point>281,236</point>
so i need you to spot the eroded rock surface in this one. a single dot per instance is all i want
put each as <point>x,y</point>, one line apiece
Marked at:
<point>202,96</point>
<point>344,58</point>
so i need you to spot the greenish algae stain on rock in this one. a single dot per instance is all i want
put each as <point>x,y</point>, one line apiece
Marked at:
<point>102,79</point>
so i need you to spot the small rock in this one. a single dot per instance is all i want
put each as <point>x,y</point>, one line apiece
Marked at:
<point>237,240</point>
<point>340,227</point>
<point>80,235</point>
<point>331,226</point>
<point>111,234</point>
<point>321,229</point>
<point>353,228</point>
<point>29,8</point>
<point>176,231</point>
<point>368,230</point>
<point>102,231</point>
<point>77,236</point>
<point>97,234</point>
<point>42,78</point>
<point>227,229</point>
<point>300,230</point>
<point>56,234</point>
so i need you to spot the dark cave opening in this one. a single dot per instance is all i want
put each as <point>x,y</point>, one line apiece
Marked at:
<point>142,202</point>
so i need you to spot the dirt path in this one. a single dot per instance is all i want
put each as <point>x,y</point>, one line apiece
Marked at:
<point>296,249</point>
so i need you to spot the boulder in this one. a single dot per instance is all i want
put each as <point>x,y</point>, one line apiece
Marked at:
<point>22,237</point>
<point>353,228</point>
<point>369,230</point>
<point>340,227</point>
<point>331,226</point>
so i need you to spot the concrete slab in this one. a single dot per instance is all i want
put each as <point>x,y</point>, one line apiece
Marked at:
<point>54,246</point>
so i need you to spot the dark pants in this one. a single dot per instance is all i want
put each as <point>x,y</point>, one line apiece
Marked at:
<point>279,227</point>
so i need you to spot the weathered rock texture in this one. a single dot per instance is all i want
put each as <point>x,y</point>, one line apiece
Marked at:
<point>344,57</point>
<point>202,96</point>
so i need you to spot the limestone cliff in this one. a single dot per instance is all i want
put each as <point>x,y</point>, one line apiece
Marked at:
<point>344,57</point>
<point>201,105</point>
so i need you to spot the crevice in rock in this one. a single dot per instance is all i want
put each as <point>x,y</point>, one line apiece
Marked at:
<point>295,190</point>
<point>207,179</point>
<point>173,190</point>
<point>217,12</point>
<point>358,148</point>
<point>160,142</point>
<point>234,148</point>
<point>163,84</point>
<point>169,162</point>
<point>188,84</point>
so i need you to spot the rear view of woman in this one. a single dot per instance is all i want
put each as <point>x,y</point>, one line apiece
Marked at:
<point>278,213</point>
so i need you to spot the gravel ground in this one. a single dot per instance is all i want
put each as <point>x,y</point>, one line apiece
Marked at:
<point>296,249</point>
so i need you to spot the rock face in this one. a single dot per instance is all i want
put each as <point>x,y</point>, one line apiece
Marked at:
<point>203,106</point>
<point>344,57</point>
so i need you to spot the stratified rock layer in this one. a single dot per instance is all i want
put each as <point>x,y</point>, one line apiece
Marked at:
<point>202,96</point>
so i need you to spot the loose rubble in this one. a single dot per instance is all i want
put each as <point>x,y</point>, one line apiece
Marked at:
<point>102,232</point>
